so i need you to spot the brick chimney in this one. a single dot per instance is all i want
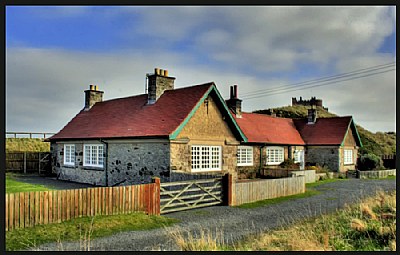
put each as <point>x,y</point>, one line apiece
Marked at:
<point>92,96</point>
<point>158,83</point>
<point>234,103</point>
<point>312,116</point>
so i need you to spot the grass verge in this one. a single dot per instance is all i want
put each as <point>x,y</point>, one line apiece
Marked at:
<point>83,229</point>
<point>369,225</point>
<point>13,186</point>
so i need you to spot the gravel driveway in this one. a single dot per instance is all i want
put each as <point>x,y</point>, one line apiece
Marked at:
<point>236,223</point>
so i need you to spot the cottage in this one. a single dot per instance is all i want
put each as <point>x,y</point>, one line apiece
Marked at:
<point>169,133</point>
<point>270,140</point>
<point>331,142</point>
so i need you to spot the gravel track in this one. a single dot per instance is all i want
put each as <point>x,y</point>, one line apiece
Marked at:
<point>235,223</point>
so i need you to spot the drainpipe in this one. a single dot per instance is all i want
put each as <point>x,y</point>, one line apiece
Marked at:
<point>260,166</point>
<point>105,161</point>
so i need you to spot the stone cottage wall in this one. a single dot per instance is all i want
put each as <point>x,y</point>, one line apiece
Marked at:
<point>137,162</point>
<point>77,173</point>
<point>349,144</point>
<point>245,172</point>
<point>128,162</point>
<point>206,127</point>
<point>323,156</point>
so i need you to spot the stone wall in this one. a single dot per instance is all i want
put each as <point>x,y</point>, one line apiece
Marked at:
<point>323,156</point>
<point>349,144</point>
<point>137,162</point>
<point>128,162</point>
<point>206,127</point>
<point>246,172</point>
<point>250,172</point>
<point>77,173</point>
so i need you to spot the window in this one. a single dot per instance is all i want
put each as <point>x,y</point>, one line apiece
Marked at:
<point>245,156</point>
<point>206,158</point>
<point>93,155</point>
<point>298,156</point>
<point>69,154</point>
<point>348,157</point>
<point>275,155</point>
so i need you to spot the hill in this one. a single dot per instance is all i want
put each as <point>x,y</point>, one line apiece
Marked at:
<point>379,143</point>
<point>26,145</point>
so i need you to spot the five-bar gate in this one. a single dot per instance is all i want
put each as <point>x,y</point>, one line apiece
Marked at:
<point>184,195</point>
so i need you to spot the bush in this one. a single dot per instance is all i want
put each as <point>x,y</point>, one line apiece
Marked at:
<point>370,162</point>
<point>318,169</point>
<point>289,164</point>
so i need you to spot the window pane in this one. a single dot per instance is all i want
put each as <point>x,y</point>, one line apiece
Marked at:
<point>72,154</point>
<point>206,157</point>
<point>275,155</point>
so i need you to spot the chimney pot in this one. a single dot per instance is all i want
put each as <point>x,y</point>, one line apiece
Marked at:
<point>234,103</point>
<point>235,89</point>
<point>157,84</point>
<point>92,96</point>
<point>312,116</point>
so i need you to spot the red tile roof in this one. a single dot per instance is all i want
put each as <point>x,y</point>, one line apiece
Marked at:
<point>325,131</point>
<point>132,117</point>
<point>261,128</point>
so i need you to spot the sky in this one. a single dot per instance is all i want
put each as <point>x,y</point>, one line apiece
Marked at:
<point>344,55</point>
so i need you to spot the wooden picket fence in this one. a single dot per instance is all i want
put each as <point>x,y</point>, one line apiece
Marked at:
<point>27,209</point>
<point>253,190</point>
<point>28,162</point>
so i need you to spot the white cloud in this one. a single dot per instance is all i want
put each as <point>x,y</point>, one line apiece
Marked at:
<point>263,40</point>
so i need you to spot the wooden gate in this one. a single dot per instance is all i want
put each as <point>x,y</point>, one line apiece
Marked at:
<point>44,163</point>
<point>184,195</point>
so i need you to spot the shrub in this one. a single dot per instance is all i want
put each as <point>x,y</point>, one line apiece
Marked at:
<point>370,162</point>
<point>318,169</point>
<point>289,164</point>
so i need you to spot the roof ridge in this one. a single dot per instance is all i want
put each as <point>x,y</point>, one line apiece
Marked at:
<point>120,98</point>
<point>197,85</point>
<point>268,115</point>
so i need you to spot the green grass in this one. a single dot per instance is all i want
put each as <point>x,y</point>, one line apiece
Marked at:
<point>82,229</point>
<point>265,202</point>
<point>318,183</point>
<point>26,145</point>
<point>310,191</point>
<point>13,186</point>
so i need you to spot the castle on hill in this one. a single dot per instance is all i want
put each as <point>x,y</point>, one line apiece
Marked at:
<point>312,102</point>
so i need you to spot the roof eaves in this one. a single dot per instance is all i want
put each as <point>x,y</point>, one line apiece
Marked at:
<point>175,133</point>
<point>229,114</point>
<point>351,123</point>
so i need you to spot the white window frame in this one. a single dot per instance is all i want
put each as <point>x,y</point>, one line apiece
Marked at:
<point>69,154</point>
<point>206,158</point>
<point>273,159</point>
<point>348,157</point>
<point>93,155</point>
<point>245,156</point>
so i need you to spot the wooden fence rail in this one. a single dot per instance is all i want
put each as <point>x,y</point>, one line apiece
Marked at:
<point>41,135</point>
<point>27,209</point>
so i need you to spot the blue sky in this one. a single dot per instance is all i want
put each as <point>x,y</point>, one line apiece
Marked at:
<point>54,53</point>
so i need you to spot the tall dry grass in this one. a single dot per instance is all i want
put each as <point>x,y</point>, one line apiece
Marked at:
<point>368,225</point>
